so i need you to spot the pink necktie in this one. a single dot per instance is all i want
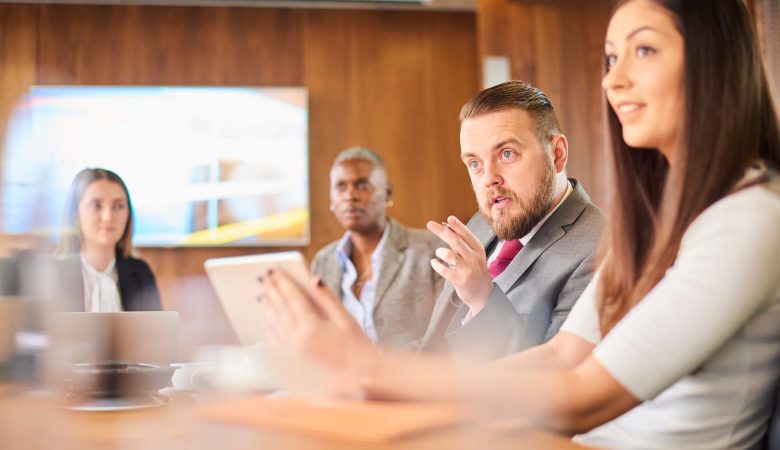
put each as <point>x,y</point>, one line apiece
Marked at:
<point>505,256</point>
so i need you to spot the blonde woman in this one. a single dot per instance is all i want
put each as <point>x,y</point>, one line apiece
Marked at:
<point>97,271</point>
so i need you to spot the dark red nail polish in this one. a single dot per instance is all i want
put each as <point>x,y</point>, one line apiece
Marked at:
<point>320,283</point>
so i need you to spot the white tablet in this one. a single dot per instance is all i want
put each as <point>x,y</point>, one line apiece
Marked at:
<point>238,289</point>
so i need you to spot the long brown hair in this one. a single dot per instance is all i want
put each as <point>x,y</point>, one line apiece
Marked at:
<point>70,240</point>
<point>730,123</point>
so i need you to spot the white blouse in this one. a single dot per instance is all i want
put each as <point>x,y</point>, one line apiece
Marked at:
<point>101,288</point>
<point>702,349</point>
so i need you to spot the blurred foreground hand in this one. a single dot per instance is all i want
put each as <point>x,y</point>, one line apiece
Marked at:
<point>312,324</point>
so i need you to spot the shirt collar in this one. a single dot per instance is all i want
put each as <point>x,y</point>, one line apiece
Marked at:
<point>344,247</point>
<point>88,267</point>
<point>527,238</point>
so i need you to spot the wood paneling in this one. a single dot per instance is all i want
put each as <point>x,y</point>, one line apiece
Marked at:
<point>766,16</point>
<point>17,56</point>
<point>557,46</point>
<point>386,92</point>
<point>169,45</point>
<point>392,81</point>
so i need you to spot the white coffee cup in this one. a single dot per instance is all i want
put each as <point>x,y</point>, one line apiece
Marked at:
<point>186,372</point>
<point>234,369</point>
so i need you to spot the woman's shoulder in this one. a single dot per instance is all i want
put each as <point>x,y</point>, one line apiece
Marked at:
<point>749,212</point>
<point>759,185</point>
<point>760,199</point>
<point>132,263</point>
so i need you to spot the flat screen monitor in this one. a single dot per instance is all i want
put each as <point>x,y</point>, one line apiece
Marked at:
<point>205,166</point>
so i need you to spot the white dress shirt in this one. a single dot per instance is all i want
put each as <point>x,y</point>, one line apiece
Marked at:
<point>361,309</point>
<point>101,288</point>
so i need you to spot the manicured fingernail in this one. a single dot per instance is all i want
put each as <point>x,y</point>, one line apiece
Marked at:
<point>320,283</point>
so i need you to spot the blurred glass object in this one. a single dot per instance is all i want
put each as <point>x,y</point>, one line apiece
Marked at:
<point>10,319</point>
<point>21,308</point>
<point>123,355</point>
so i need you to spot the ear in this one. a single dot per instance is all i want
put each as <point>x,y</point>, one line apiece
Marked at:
<point>560,152</point>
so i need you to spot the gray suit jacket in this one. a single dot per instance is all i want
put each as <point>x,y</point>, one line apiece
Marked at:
<point>407,285</point>
<point>533,296</point>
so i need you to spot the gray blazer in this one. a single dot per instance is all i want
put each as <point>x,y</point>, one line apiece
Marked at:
<point>407,285</point>
<point>532,297</point>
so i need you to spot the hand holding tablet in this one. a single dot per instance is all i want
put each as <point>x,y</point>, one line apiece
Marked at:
<point>235,280</point>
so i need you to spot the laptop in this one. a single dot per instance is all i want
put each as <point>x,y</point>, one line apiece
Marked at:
<point>149,337</point>
<point>235,280</point>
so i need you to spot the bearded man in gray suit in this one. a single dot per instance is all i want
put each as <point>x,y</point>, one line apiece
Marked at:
<point>379,268</point>
<point>515,271</point>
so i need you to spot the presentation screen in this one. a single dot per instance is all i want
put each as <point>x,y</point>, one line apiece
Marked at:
<point>205,166</point>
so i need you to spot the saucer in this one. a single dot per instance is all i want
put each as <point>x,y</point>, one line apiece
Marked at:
<point>119,404</point>
<point>180,394</point>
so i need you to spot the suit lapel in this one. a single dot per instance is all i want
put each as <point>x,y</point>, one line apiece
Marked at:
<point>125,283</point>
<point>392,259</point>
<point>481,230</point>
<point>333,272</point>
<point>74,284</point>
<point>441,316</point>
<point>552,230</point>
<point>541,241</point>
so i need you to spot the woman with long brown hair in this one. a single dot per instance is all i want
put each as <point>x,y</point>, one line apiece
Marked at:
<point>675,343</point>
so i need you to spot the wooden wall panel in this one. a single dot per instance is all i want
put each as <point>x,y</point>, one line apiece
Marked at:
<point>169,45</point>
<point>18,45</point>
<point>386,90</point>
<point>557,46</point>
<point>393,81</point>
<point>766,16</point>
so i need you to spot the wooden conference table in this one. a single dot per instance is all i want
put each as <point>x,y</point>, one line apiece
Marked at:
<point>33,422</point>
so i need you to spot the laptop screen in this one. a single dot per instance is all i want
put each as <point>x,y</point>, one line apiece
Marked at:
<point>144,337</point>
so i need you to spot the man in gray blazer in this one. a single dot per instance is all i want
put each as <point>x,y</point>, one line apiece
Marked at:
<point>537,226</point>
<point>380,269</point>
